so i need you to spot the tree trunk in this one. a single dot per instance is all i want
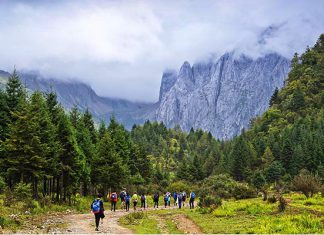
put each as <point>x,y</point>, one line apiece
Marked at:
<point>44,186</point>
<point>57,189</point>
<point>36,187</point>
<point>265,195</point>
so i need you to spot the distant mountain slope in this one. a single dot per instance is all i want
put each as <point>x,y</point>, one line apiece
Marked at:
<point>72,93</point>
<point>219,96</point>
<point>222,96</point>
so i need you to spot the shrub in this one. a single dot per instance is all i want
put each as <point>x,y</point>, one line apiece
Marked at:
<point>2,184</point>
<point>272,199</point>
<point>2,222</point>
<point>22,192</point>
<point>179,186</point>
<point>306,183</point>
<point>243,191</point>
<point>282,204</point>
<point>210,201</point>
<point>134,218</point>
<point>9,197</point>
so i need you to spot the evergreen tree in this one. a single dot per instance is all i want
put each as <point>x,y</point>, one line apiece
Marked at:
<point>4,116</point>
<point>89,124</point>
<point>242,155</point>
<point>274,97</point>
<point>108,169</point>
<point>70,159</point>
<point>14,92</point>
<point>25,151</point>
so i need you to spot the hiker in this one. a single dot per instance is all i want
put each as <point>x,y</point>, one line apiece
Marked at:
<point>192,199</point>
<point>122,196</point>
<point>98,210</point>
<point>127,201</point>
<point>166,198</point>
<point>143,201</point>
<point>135,199</point>
<point>180,200</point>
<point>113,199</point>
<point>156,200</point>
<point>175,197</point>
<point>169,199</point>
<point>184,197</point>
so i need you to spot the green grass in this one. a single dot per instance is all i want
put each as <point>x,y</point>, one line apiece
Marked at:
<point>256,216</point>
<point>140,223</point>
<point>243,216</point>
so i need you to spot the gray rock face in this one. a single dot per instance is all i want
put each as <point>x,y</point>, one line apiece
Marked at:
<point>218,96</point>
<point>222,96</point>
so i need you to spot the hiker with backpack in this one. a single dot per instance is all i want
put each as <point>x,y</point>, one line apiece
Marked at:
<point>135,200</point>
<point>122,196</point>
<point>97,209</point>
<point>127,201</point>
<point>169,198</point>
<point>156,200</point>
<point>113,199</point>
<point>143,201</point>
<point>192,200</point>
<point>175,197</point>
<point>184,197</point>
<point>180,200</point>
<point>166,198</point>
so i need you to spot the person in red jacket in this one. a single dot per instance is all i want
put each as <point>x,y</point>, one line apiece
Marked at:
<point>113,199</point>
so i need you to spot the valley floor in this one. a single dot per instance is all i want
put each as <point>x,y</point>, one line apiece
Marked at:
<point>302,215</point>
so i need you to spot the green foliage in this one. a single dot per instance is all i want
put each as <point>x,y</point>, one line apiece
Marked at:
<point>2,184</point>
<point>225,187</point>
<point>22,192</point>
<point>210,201</point>
<point>243,191</point>
<point>306,183</point>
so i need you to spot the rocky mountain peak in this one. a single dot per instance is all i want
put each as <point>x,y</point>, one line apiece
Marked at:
<point>221,96</point>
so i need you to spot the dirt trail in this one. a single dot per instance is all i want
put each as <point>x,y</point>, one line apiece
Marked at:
<point>186,225</point>
<point>70,223</point>
<point>84,223</point>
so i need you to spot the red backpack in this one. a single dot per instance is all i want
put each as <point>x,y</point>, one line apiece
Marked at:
<point>113,197</point>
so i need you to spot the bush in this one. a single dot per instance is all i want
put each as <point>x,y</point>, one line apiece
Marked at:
<point>179,186</point>
<point>9,197</point>
<point>22,192</point>
<point>282,204</point>
<point>220,185</point>
<point>2,184</point>
<point>272,199</point>
<point>243,191</point>
<point>2,222</point>
<point>134,218</point>
<point>210,201</point>
<point>306,183</point>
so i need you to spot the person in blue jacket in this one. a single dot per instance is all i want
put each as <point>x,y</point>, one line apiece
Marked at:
<point>97,209</point>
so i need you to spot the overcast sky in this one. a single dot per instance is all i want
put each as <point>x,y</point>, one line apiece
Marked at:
<point>121,48</point>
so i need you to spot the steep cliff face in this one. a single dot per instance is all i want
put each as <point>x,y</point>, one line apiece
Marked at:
<point>222,96</point>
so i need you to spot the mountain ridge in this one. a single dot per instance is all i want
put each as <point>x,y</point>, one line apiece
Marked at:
<point>219,95</point>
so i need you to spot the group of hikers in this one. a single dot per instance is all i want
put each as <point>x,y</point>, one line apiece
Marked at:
<point>179,199</point>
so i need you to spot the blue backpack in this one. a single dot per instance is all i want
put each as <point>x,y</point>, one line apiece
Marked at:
<point>96,206</point>
<point>128,198</point>
<point>166,198</point>
<point>193,195</point>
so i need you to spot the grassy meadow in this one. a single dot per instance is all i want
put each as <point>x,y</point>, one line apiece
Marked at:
<point>302,215</point>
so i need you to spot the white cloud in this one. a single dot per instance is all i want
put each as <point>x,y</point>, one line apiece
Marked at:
<point>122,47</point>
